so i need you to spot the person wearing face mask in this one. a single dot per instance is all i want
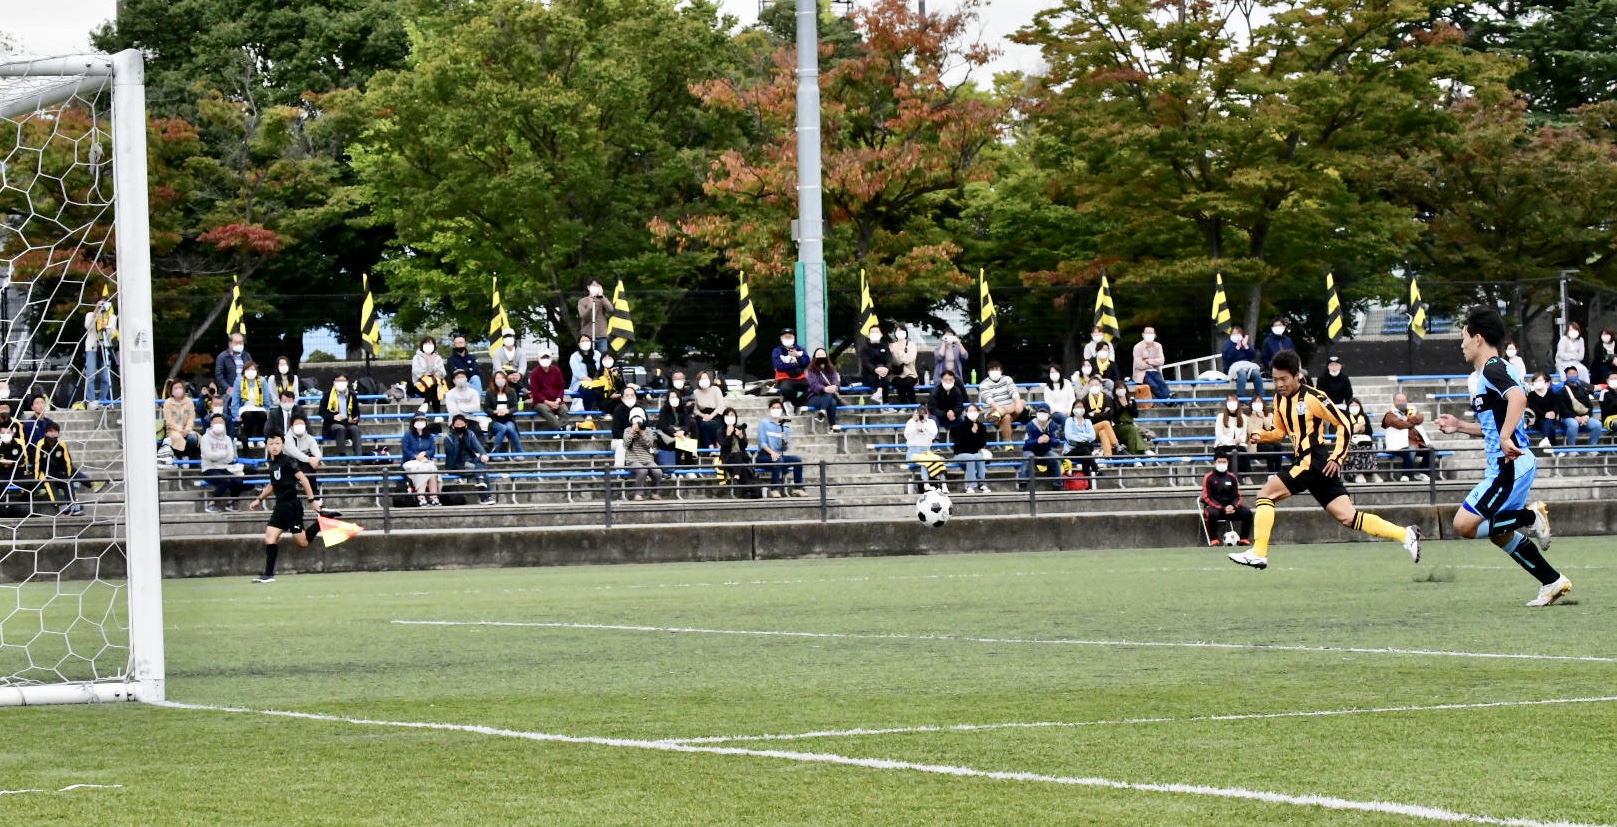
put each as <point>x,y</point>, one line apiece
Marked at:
<point>250,399</point>
<point>1570,350</point>
<point>230,362</point>
<point>969,437</point>
<point>1578,413</point>
<point>1101,412</point>
<point>627,407</point>
<point>640,447</point>
<point>547,393</point>
<point>904,374</point>
<point>950,357</point>
<point>791,366</point>
<point>876,363</point>
<point>1001,400</point>
<point>1148,361</point>
<point>609,385</point>
<point>582,366</point>
<point>507,356</point>
<point>1126,410</point>
<point>1543,411</point>
<point>1361,458</point>
<point>1336,384</point>
<point>1277,341</point>
<point>341,415</point>
<point>675,423</point>
<point>736,463</point>
<point>464,400</point>
<point>179,419</point>
<point>1604,361</point>
<point>221,468</point>
<point>1105,368</point>
<point>303,449</point>
<point>1259,419</point>
<point>1059,394</point>
<point>708,403</point>
<point>594,312</point>
<point>100,351</point>
<point>1042,448</point>
<point>283,379</point>
<point>419,448</point>
<point>464,452</point>
<point>1229,429</point>
<point>13,459</point>
<point>54,471</point>
<point>1221,501</point>
<point>825,385</point>
<point>1514,359</point>
<point>1080,437</point>
<point>920,431</point>
<point>427,376</point>
<point>461,358</point>
<point>947,401</point>
<point>1241,362</point>
<point>774,445</point>
<point>1097,337</point>
<point>280,416</point>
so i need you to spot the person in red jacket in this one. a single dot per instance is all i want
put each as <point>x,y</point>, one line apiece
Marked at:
<point>547,388</point>
<point>1221,500</point>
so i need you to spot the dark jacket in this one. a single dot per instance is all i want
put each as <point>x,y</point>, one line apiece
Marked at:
<point>546,384</point>
<point>281,421</point>
<point>1219,490</point>
<point>874,355</point>
<point>1113,371</point>
<point>1339,388</point>
<point>1569,392</point>
<point>1273,344</point>
<point>411,444</point>
<point>1233,354</point>
<point>969,437</point>
<point>1546,410</point>
<point>462,360</point>
<point>510,396</point>
<point>789,364</point>
<point>224,368</point>
<point>948,399</point>
<point>1032,445</point>
<point>733,446</point>
<point>1106,411</point>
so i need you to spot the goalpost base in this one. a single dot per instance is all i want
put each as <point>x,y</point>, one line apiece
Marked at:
<point>69,693</point>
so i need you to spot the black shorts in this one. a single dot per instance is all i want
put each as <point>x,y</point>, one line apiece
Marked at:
<point>287,516</point>
<point>1325,489</point>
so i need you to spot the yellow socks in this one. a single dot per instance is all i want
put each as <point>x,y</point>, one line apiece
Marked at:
<point>1263,522</point>
<point>1376,527</point>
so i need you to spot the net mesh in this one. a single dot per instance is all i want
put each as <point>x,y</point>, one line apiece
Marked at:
<point>63,600</point>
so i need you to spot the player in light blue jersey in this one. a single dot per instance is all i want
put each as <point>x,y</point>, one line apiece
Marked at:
<point>1497,508</point>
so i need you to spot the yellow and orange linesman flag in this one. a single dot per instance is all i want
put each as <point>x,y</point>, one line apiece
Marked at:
<point>1333,309</point>
<point>370,331</point>
<point>1221,305</point>
<point>988,318</point>
<point>867,308</point>
<point>336,532</point>
<point>498,322</point>
<point>236,322</point>
<point>1105,312</point>
<point>620,327</point>
<point>1417,310</point>
<point>749,321</point>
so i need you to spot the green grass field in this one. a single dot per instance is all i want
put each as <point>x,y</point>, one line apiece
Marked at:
<point>1348,674</point>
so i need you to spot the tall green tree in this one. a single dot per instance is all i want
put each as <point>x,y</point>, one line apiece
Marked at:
<point>535,141</point>
<point>1568,48</point>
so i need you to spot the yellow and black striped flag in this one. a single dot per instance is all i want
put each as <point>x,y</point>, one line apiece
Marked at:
<point>370,332</point>
<point>620,327</point>
<point>498,322</point>
<point>1221,305</point>
<point>1417,310</point>
<point>236,322</point>
<point>988,317</point>
<point>1105,312</point>
<point>867,308</point>
<point>1333,309</point>
<point>749,321</point>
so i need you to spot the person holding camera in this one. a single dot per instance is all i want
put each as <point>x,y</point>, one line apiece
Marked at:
<point>733,456</point>
<point>640,457</point>
<point>950,357</point>
<point>774,440</point>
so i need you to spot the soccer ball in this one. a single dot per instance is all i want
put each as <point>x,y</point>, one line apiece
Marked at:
<point>933,509</point>
<point>1231,538</point>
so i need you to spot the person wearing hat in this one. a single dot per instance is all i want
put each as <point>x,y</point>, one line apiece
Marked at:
<point>628,408</point>
<point>419,447</point>
<point>507,356</point>
<point>464,400</point>
<point>547,392</point>
<point>791,367</point>
<point>461,358</point>
<point>1336,383</point>
<point>53,468</point>
<point>463,449</point>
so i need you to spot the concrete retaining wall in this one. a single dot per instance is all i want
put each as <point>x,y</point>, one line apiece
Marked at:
<point>402,550</point>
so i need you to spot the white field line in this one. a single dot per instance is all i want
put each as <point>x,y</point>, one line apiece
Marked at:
<point>1272,647</point>
<point>1323,801</point>
<point>1259,716</point>
<point>68,788</point>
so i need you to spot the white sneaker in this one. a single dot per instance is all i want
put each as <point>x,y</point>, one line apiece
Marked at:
<point>1403,478</point>
<point>263,579</point>
<point>1551,593</point>
<point>1247,558</point>
<point>1541,524</point>
<point>1423,478</point>
<point>1412,542</point>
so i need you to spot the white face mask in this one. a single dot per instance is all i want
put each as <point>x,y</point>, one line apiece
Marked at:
<point>679,384</point>
<point>1278,330</point>
<point>420,427</point>
<point>776,413</point>
<point>1149,337</point>
<point>299,429</point>
<point>1605,337</point>
<point>217,412</point>
<point>1257,407</point>
<point>285,405</point>
<point>972,415</point>
<point>5,438</point>
<point>729,420</point>
<point>1094,390</point>
<point>1221,467</point>
<point>340,387</point>
<point>1510,352</point>
<point>787,341</point>
<point>583,347</point>
<point>1232,407</point>
<point>1572,334</point>
<point>595,290</point>
<point>1055,377</point>
<point>948,384</point>
<point>995,375</point>
<point>428,347</point>
<point>1043,418</point>
<point>1096,337</point>
<point>250,374</point>
<point>629,400</point>
<point>544,361</point>
<point>460,381</point>
<point>283,369</point>
<point>1353,409</point>
<point>236,348</point>
<point>901,334</point>
<point>1235,337</point>
<point>704,383</point>
<point>1335,370</point>
<point>673,400</point>
<point>608,362</point>
<point>1541,386</point>
<point>1103,354</point>
<point>510,341</point>
<point>875,336</point>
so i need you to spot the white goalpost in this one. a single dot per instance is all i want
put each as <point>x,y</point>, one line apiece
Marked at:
<point>81,616</point>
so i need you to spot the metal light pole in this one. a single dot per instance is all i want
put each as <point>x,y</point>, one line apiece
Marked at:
<point>810,281</point>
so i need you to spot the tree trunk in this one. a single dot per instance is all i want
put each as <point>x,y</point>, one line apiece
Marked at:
<point>1254,304</point>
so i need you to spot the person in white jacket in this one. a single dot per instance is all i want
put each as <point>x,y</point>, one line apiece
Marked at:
<point>1570,350</point>
<point>1059,394</point>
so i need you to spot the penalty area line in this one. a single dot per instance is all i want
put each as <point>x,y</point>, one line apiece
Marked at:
<point>1270,647</point>
<point>1323,801</point>
<point>1256,716</point>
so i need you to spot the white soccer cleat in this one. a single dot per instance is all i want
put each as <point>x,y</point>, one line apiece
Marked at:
<point>1551,593</point>
<point>1412,542</point>
<point>1541,524</point>
<point>1247,558</point>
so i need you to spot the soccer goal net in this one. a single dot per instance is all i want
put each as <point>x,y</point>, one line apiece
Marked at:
<point>80,571</point>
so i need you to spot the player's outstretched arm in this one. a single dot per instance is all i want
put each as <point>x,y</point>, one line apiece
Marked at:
<point>1450,424</point>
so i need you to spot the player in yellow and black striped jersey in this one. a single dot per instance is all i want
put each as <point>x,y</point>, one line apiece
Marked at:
<point>1318,432</point>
